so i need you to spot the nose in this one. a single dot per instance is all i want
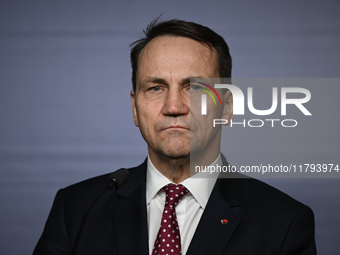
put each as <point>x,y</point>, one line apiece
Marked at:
<point>176,103</point>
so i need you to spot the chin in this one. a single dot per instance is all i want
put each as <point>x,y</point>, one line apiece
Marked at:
<point>174,147</point>
<point>177,151</point>
<point>175,155</point>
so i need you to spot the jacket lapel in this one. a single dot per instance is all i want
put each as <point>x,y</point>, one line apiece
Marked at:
<point>129,215</point>
<point>212,236</point>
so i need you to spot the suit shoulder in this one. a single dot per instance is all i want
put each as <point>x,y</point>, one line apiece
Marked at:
<point>89,185</point>
<point>95,184</point>
<point>266,196</point>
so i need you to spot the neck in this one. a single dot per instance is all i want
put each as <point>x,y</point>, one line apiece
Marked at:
<point>175,169</point>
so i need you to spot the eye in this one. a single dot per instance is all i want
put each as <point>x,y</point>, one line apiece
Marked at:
<point>195,87</point>
<point>155,89</point>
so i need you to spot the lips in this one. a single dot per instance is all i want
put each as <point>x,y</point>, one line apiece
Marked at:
<point>176,127</point>
<point>178,123</point>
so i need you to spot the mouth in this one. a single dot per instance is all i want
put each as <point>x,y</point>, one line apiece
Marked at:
<point>176,127</point>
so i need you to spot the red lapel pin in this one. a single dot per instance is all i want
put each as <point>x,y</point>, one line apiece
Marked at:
<point>224,221</point>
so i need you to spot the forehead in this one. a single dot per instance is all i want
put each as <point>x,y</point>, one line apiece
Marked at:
<point>176,56</point>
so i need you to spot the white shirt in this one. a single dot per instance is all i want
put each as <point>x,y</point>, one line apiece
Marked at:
<point>189,210</point>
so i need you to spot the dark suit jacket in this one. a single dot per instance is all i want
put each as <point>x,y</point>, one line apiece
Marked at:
<point>261,220</point>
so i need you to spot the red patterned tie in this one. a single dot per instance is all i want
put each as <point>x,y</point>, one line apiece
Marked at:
<point>168,240</point>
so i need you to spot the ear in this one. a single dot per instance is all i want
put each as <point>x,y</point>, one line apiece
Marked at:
<point>134,109</point>
<point>228,107</point>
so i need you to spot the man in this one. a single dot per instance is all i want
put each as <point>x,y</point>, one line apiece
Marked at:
<point>212,216</point>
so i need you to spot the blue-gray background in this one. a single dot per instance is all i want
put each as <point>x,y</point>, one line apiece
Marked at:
<point>65,111</point>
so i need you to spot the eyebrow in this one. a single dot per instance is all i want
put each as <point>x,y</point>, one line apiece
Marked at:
<point>163,81</point>
<point>155,80</point>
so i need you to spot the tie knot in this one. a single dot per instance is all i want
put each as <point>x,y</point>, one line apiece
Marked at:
<point>174,193</point>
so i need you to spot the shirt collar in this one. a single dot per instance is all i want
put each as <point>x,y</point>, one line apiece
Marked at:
<point>154,181</point>
<point>200,185</point>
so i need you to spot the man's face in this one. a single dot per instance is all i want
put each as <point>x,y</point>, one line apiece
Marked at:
<point>161,102</point>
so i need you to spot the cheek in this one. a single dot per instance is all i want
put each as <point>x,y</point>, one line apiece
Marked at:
<point>202,127</point>
<point>147,117</point>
